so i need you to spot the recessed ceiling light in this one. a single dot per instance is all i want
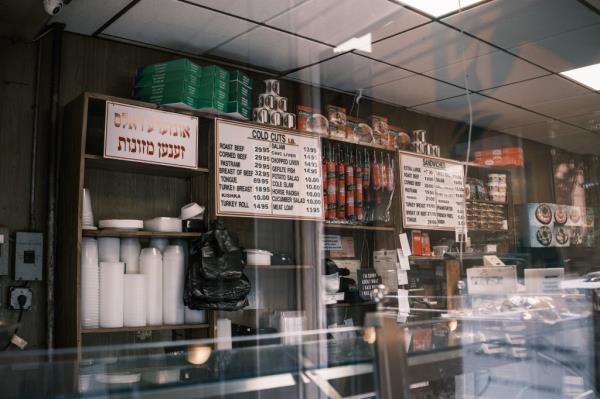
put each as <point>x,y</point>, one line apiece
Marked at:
<point>362,43</point>
<point>588,76</point>
<point>437,8</point>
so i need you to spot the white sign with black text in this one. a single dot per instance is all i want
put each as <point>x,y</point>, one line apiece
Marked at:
<point>433,194</point>
<point>265,172</point>
<point>146,135</point>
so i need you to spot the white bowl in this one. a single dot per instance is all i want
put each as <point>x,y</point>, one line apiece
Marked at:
<point>163,224</point>
<point>258,257</point>
<point>192,211</point>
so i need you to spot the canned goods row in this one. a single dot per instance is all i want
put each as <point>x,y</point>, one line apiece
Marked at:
<point>274,117</point>
<point>426,148</point>
<point>272,101</point>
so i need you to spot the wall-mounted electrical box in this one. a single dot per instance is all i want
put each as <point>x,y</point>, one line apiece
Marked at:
<point>4,251</point>
<point>29,253</point>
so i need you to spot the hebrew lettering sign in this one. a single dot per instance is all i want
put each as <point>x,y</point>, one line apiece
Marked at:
<point>151,136</point>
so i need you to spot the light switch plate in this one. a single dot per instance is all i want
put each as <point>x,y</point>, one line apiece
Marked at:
<point>29,254</point>
<point>4,251</point>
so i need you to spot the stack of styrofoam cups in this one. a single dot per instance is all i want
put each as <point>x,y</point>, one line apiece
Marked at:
<point>151,265</point>
<point>159,243</point>
<point>90,284</point>
<point>191,316</point>
<point>173,276</point>
<point>111,294</point>
<point>87,215</point>
<point>130,254</point>
<point>134,302</point>
<point>109,249</point>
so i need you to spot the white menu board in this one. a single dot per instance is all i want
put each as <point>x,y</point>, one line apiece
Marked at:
<point>266,172</point>
<point>433,194</point>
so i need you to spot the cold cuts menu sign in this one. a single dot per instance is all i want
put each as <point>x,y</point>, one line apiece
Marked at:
<point>151,136</point>
<point>433,194</point>
<point>266,172</point>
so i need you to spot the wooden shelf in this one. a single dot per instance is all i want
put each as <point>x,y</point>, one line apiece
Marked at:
<point>369,145</point>
<point>278,267</point>
<point>425,258</point>
<point>342,226</point>
<point>136,233</point>
<point>145,328</point>
<point>350,305</point>
<point>99,162</point>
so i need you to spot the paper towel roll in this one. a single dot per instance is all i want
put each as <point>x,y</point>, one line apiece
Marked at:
<point>159,243</point>
<point>109,249</point>
<point>134,302</point>
<point>111,294</point>
<point>173,273</point>
<point>151,266</point>
<point>130,254</point>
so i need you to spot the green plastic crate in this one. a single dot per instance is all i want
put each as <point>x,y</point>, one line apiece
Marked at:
<point>239,76</point>
<point>238,90</point>
<point>181,64</point>
<point>167,78</point>
<point>175,89</point>
<point>186,100</point>
<point>215,71</point>
<point>234,107</point>
<point>212,105</point>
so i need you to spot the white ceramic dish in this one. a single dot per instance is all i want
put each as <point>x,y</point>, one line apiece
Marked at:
<point>163,225</point>
<point>258,257</point>
<point>192,211</point>
<point>123,224</point>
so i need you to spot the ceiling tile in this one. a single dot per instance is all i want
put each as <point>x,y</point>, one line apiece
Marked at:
<point>535,91</point>
<point>488,71</point>
<point>349,72</point>
<point>566,51</point>
<point>272,49</point>
<point>412,90</point>
<point>428,47</point>
<point>256,10</point>
<point>487,113</point>
<point>588,120</point>
<point>569,106</point>
<point>559,135</point>
<point>333,22</point>
<point>86,16</point>
<point>179,26</point>
<point>509,23</point>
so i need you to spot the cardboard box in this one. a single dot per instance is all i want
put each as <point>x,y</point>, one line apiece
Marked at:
<point>181,64</point>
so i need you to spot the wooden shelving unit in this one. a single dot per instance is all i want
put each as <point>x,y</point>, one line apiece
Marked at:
<point>275,268</point>
<point>367,145</point>
<point>342,226</point>
<point>119,190</point>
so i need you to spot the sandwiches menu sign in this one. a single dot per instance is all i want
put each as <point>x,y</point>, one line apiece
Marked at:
<point>433,194</point>
<point>151,136</point>
<point>265,172</point>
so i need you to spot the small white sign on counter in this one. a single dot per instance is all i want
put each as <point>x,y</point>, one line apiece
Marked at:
<point>543,281</point>
<point>146,135</point>
<point>266,172</point>
<point>492,280</point>
<point>332,241</point>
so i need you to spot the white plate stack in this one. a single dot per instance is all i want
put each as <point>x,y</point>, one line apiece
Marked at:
<point>109,249</point>
<point>173,275</point>
<point>90,284</point>
<point>130,254</point>
<point>134,302</point>
<point>151,265</point>
<point>111,294</point>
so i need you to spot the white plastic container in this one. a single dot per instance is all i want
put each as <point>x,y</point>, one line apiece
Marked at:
<point>258,257</point>
<point>163,224</point>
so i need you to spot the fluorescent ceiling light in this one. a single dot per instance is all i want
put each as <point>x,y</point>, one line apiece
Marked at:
<point>362,43</point>
<point>588,76</point>
<point>437,8</point>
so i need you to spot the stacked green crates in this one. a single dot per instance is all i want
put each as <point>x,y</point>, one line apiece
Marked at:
<point>213,89</point>
<point>240,95</point>
<point>208,88</point>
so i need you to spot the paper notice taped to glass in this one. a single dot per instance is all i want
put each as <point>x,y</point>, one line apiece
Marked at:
<point>403,305</point>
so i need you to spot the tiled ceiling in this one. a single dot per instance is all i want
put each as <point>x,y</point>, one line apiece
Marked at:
<point>511,51</point>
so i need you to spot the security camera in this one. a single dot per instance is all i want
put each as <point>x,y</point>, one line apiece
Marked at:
<point>53,7</point>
